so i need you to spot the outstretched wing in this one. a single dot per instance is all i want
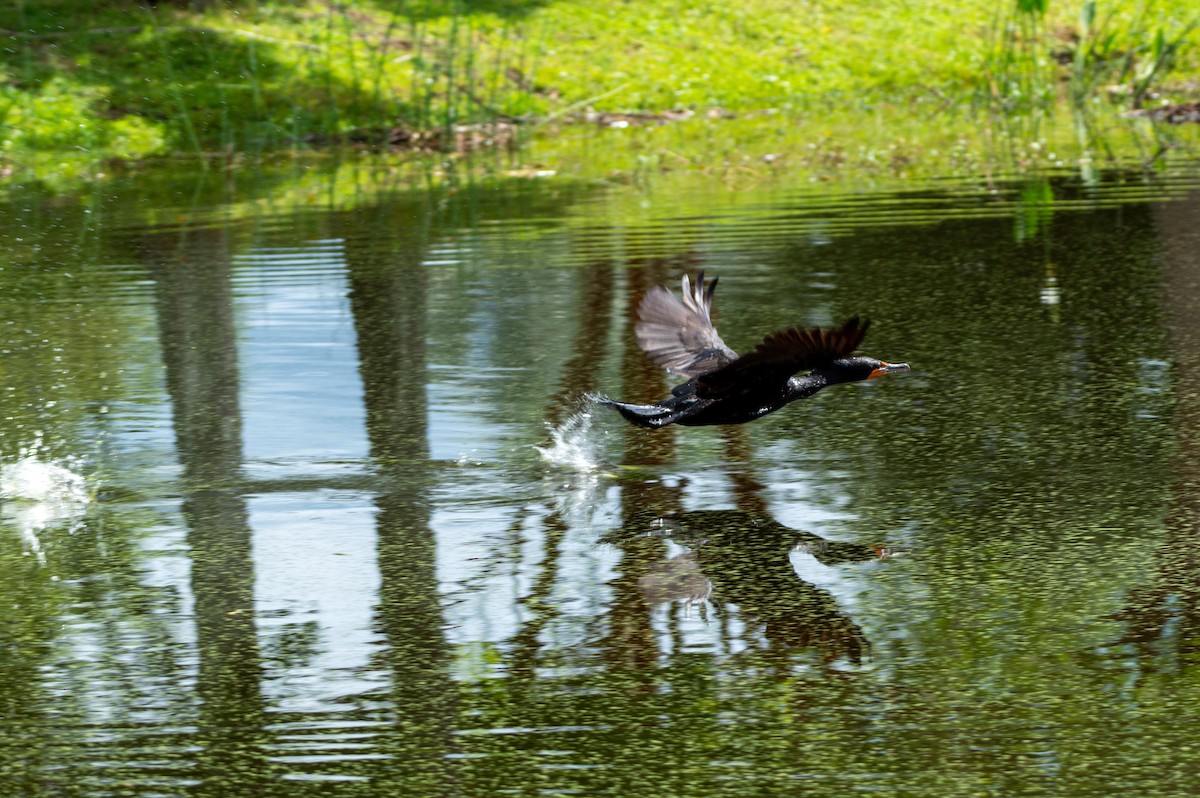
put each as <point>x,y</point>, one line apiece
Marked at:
<point>679,335</point>
<point>782,354</point>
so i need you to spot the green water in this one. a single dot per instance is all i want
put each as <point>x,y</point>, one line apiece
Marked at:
<point>321,553</point>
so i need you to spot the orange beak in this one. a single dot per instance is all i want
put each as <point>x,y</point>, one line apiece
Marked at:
<point>888,368</point>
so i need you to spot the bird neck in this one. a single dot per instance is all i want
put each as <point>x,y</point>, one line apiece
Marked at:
<point>801,387</point>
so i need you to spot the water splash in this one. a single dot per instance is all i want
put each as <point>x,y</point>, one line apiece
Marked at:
<point>32,480</point>
<point>571,445</point>
<point>576,483</point>
<point>39,495</point>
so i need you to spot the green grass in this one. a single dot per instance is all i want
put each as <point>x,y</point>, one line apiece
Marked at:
<point>120,80</point>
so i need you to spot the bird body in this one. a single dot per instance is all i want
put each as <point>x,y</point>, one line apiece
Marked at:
<point>687,408</point>
<point>724,388</point>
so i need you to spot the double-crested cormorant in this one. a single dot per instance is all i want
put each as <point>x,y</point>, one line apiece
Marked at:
<point>724,388</point>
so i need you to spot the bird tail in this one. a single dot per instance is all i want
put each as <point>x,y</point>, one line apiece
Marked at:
<point>650,416</point>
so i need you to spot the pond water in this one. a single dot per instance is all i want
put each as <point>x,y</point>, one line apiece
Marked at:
<point>303,494</point>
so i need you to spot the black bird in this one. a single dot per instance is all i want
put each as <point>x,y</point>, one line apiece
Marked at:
<point>727,389</point>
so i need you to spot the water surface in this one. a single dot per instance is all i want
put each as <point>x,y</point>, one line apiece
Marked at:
<point>348,524</point>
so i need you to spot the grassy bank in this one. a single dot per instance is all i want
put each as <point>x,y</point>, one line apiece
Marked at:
<point>128,80</point>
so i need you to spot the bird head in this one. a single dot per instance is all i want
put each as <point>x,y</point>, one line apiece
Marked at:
<point>853,369</point>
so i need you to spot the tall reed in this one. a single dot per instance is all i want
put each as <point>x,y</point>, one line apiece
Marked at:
<point>1128,60</point>
<point>1017,75</point>
<point>1108,57</point>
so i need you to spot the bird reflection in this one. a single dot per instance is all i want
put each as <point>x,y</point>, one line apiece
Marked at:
<point>679,579</point>
<point>742,558</point>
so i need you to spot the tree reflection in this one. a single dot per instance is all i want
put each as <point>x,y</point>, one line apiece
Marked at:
<point>388,301</point>
<point>630,648</point>
<point>588,354</point>
<point>1163,616</point>
<point>577,381</point>
<point>199,344</point>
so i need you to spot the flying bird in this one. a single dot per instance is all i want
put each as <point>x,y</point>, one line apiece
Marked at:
<point>725,388</point>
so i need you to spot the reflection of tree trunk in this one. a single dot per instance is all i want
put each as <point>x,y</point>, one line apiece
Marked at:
<point>1174,593</point>
<point>642,380</point>
<point>195,308</point>
<point>228,685</point>
<point>389,306</point>
<point>195,311</point>
<point>33,712</point>
<point>540,608</point>
<point>631,647</point>
<point>747,490</point>
<point>389,316</point>
<point>579,378</point>
<point>595,311</point>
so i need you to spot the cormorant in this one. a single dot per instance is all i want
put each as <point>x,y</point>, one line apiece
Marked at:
<point>724,388</point>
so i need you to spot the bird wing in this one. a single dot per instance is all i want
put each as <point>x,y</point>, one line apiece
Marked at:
<point>782,354</point>
<point>679,334</point>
